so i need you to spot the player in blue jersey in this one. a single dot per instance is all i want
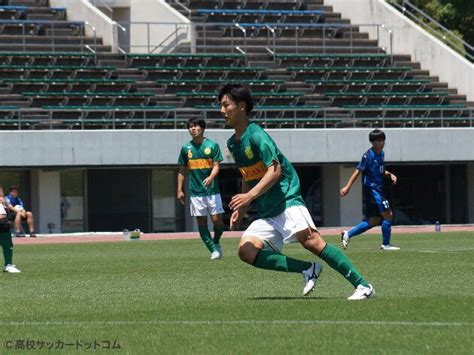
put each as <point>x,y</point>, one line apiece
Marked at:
<point>377,207</point>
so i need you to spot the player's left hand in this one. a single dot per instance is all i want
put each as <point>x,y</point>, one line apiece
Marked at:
<point>207,182</point>
<point>240,200</point>
<point>393,178</point>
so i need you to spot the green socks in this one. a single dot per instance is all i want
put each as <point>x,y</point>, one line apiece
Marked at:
<point>341,263</point>
<point>271,260</point>
<point>7,246</point>
<point>206,238</point>
<point>218,234</point>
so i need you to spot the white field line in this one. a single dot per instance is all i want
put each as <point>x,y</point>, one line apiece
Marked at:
<point>448,250</point>
<point>240,322</point>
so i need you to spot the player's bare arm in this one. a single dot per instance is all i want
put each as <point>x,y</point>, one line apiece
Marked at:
<point>266,182</point>
<point>215,170</point>
<point>238,214</point>
<point>179,193</point>
<point>345,190</point>
<point>241,202</point>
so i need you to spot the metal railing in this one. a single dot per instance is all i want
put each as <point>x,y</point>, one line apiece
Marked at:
<point>38,2</point>
<point>100,4</point>
<point>441,32</point>
<point>29,30</point>
<point>156,37</point>
<point>321,44</point>
<point>182,6</point>
<point>277,117</point>
<point>121,37</point>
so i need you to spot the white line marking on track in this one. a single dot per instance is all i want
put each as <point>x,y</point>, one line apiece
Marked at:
<point>243,322</point>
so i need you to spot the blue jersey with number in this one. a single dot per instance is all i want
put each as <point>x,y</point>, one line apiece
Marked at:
<point>372,168</point>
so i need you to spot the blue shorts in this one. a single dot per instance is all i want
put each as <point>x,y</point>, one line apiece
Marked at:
<point>375,203</point>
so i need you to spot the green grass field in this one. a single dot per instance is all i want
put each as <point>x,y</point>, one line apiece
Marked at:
<point>168,297</point>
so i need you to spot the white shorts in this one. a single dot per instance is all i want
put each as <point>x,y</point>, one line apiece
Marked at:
<point>206,205</point>
<point>281,229</point>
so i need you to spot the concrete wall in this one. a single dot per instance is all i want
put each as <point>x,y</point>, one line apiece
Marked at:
<point>46,149</point>
<point>46,200</point>
<point>351,204</point>
<point>83,10</point>
<point>340,211</point>
<point>67,149</point>
<point>330,203</point>
<point>433,55</point>
<point>161,147</point>
<point>153,37</point>
<point>121,15</point>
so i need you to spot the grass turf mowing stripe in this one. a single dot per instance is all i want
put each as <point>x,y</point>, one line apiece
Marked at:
<point>246,322</point>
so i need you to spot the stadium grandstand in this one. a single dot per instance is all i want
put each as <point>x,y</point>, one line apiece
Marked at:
<point>95,96</point>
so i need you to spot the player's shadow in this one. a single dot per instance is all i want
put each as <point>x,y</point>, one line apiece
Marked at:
<point>281,298</point>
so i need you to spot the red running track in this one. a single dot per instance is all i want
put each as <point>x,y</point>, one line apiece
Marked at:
<point>95,237</point>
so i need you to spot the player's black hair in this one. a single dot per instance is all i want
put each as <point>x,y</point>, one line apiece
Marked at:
<point>376,135</point>
<point>238,93</point>
<point>197,120</point>
<point>13,187</point>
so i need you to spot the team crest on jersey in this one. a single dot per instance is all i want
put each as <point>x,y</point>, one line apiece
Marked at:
<point>190,154</point>
<point>249,153</point>
<point>207,151</point>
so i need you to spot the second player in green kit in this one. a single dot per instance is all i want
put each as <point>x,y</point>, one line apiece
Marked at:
<point>201,158</point>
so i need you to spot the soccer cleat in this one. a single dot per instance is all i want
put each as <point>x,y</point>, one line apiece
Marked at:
<point>310,277</point>
<point>344,239</point>
<point>11,269</point>
<point>389,247</point>
<point>219,249</point>
<point>215,255</point>
<point>362,293</point>
<point>32,235</point>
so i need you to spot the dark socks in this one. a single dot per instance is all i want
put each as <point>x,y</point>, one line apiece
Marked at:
<point>218,231</point>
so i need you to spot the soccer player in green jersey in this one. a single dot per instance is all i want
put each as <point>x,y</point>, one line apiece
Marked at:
<point>271,181</point>
<point>201,157</point>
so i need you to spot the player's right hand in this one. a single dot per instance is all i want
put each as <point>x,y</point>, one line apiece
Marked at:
<point>344,191</point>
<point>180,196</point>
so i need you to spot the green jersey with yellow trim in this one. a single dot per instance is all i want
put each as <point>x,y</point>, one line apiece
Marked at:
<point>253,154</point>
<point>199,159</point>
